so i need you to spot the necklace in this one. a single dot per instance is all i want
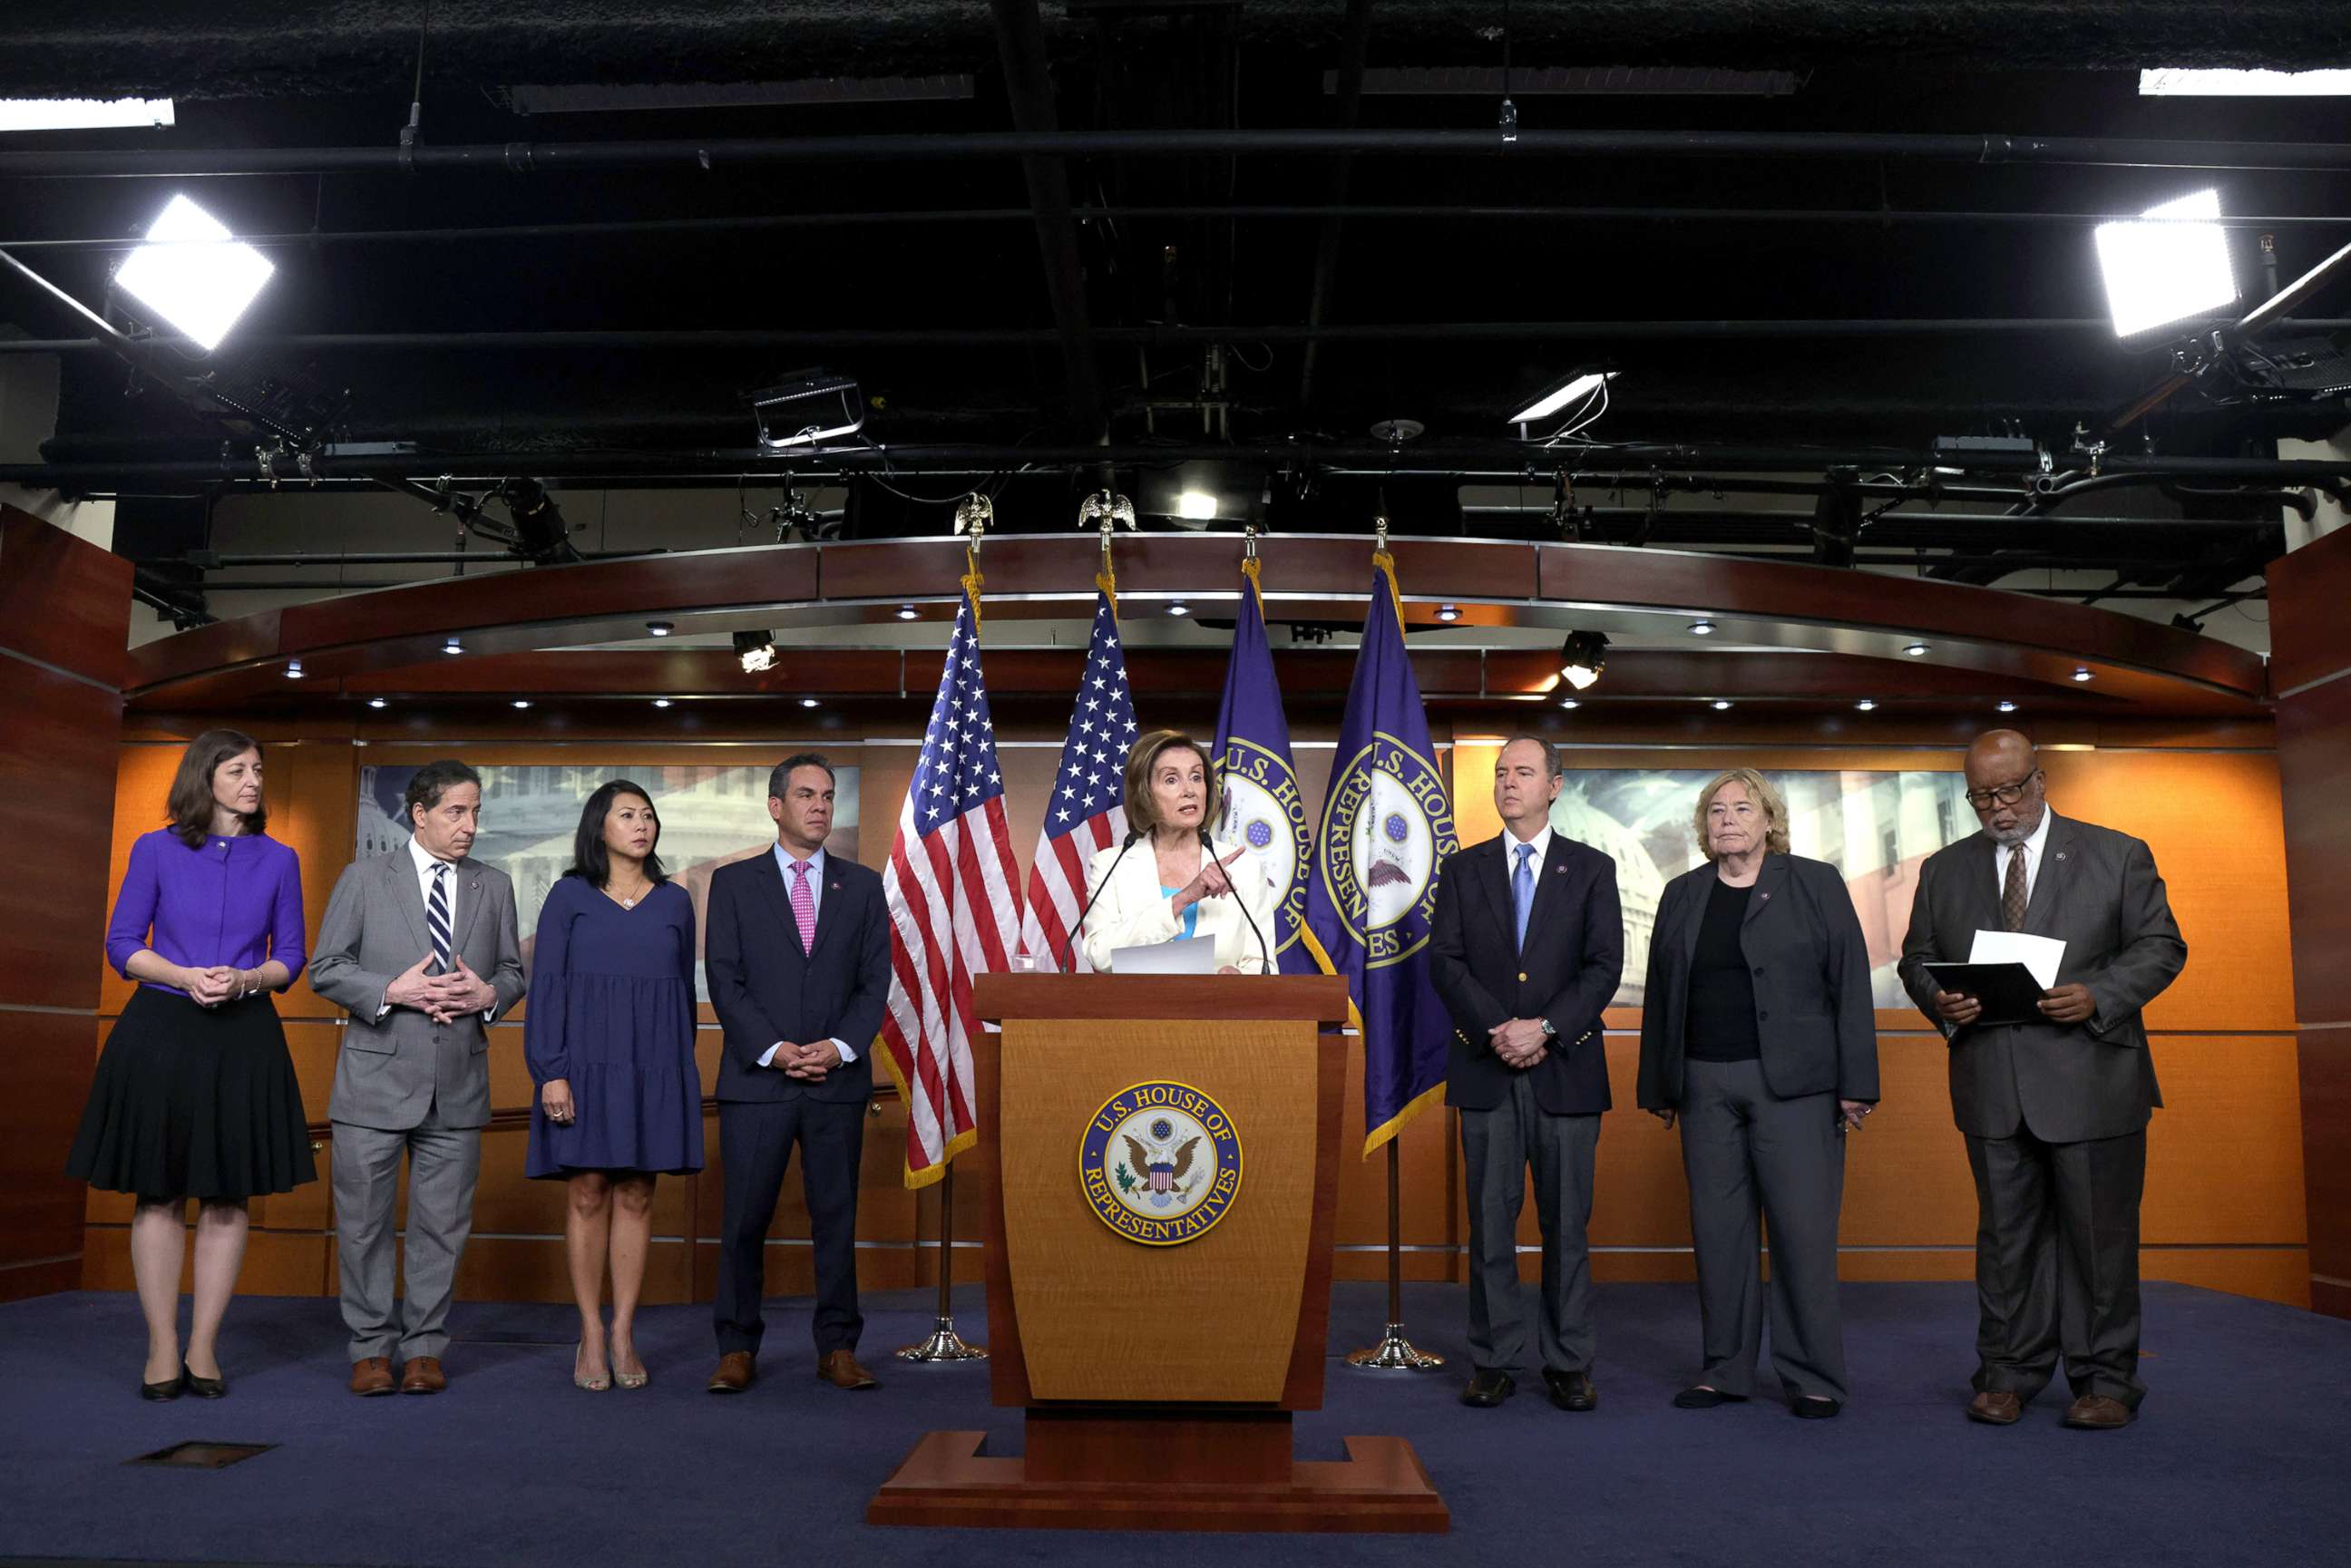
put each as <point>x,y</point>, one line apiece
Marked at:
<point>631,902</point>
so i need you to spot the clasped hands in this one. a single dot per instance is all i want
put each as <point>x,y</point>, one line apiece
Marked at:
<point>809,1062</point>
<point>1520,1042</point>
<point>211,987</point>
<point>2063,1004</point>
<point>442,996</point>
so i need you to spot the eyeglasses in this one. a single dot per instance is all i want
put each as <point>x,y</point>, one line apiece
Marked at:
<point>2002,794</point>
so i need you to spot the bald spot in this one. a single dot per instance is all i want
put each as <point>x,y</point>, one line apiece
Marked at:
<point>1998,755</point>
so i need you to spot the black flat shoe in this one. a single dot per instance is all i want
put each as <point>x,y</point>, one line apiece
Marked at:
<point>204,1387</point>
<point>170,1389</point>
<point>1488,1389</point>
<point>1572,1390</point>
<point>1706,1398</point>
<point>1816,1407</point>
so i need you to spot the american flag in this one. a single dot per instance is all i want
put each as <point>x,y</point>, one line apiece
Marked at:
<point>1088,809</point>
<point>951,891</point>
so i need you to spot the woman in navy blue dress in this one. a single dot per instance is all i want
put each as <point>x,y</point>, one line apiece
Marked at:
<point>610,1038</point>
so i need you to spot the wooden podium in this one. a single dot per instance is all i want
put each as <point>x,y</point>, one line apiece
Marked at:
<point>1159,1360</point>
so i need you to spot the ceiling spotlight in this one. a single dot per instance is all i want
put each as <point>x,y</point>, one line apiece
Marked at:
<point>757,650</point>
<point>661,702</point>
<point>1576,389</point>
<point>378,702</point>
<point>1701,628</point>
<point>661,628</point>
<point>1448,613</point>
<point>2004,706</point>
<point>193,273</point>
<point>808,701</point>
<point>1867,705</point>
<point>2082,674</point>
<point>1582,658</point>
<point>1569,702</point>
<point>293,669</point>
<point>1721,705</point>
<point>812,406</point>
<point>1197,506</point>
<point>907,613</point>
<point>2168,264</point>
<point>522,702</point>
<point>1179,607</point>
<point>1917,650</point>
<point>450,646</point>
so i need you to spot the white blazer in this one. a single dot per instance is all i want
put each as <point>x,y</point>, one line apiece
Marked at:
<point>1133,912</point>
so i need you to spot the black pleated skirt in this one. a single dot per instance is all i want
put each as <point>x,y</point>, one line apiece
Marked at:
<point>190,1102</point>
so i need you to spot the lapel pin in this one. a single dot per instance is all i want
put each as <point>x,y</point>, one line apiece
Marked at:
<point>1763,898</point>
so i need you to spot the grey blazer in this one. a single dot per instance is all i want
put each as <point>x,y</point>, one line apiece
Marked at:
<point>391,1070</point>
<point>2097,891</point>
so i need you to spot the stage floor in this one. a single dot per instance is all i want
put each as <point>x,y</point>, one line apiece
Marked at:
<point>2240,1457</point>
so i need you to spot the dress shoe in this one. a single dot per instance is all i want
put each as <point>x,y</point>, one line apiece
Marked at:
<point>204,1387</point>
<point>736,1371</point>
<point>423,1374</point>
<point>1572,1390</point>
<point>1995,1407</point>
<point>1704,1399</point>
<point>840,1368</point>
<point>1815,1406</point>
<point>170,1389</point>
<point>373,1374</point>
<point>1487,1387</point>
<point>2097,1413</point>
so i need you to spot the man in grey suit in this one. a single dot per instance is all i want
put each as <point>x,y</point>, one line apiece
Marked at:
<point>2056,1112</point>
<point>406,944</point>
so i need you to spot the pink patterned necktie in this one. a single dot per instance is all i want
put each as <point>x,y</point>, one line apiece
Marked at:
<point>804,905</point>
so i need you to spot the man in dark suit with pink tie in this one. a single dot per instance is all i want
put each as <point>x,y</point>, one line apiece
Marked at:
<point>798,956</point>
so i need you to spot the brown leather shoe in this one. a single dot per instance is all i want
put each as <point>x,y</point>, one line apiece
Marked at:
<point>423,1374</point>
<point>371,1374</point>
<point>1995,1407</point>
<point>2097,1413</point>
<point>840,1368</point>
<point>736,1371</point>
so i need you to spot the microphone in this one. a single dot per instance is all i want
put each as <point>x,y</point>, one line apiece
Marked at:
<point>1070,943</point>
<point>1263,956</point>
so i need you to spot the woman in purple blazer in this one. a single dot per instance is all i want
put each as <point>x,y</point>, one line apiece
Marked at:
<point>195,1094</point>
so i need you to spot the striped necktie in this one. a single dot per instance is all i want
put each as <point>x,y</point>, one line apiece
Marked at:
<point>436,916</point>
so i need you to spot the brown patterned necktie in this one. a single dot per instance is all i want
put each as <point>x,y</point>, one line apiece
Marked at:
<point>2013,893</point>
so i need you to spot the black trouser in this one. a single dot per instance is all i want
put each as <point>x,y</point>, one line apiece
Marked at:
<point>1744,1149</point>
<point>2057,1263</point>
<point>755,1144</point>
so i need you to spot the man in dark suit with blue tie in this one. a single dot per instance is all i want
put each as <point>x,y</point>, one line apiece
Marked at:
<point>798,954</point>
<point>1529,943</point>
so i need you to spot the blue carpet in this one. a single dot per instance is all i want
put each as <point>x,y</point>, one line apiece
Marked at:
<point>2240,1456</point>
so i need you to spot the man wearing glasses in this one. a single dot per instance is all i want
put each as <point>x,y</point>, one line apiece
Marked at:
<point>2055,1110</point>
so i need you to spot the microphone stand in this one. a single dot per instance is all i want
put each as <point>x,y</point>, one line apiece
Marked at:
<point>1264,955</point>
<point>1070,942</point>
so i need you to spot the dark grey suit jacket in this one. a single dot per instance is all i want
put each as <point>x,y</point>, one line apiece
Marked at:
<point>2097,891</point>
<point>1814,1013</point>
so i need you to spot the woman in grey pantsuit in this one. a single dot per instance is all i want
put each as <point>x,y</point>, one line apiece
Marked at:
<point>1758,1031</point>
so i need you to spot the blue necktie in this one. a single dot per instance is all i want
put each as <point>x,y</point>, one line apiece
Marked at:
<point>1522,890</point>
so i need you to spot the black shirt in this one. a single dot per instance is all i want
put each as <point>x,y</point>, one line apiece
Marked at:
<point>1721,1014</point>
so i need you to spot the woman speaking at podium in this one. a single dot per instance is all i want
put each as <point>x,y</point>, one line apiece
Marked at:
<point>1170,880</point>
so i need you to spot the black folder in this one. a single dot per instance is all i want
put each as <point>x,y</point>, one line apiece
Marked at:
<point>2008,991</point>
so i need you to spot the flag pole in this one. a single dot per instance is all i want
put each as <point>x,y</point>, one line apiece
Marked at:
<point>945,1344</point>
<point>1394,1353</point>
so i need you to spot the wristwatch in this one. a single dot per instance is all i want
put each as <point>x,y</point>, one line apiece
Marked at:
<point>1549,1032</point>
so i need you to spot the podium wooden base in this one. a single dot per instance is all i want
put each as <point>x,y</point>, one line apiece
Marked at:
<point>1163,1476</point>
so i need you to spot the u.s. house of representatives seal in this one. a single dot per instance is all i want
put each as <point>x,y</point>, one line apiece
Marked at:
<point>1160,1162</point>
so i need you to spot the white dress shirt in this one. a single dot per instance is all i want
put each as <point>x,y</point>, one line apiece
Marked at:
<point>425,860</point>
<point>816,895</point>
<point>2030,849</point>
<point>1539,844</point>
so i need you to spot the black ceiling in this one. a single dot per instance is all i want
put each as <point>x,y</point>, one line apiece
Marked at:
<point>939,263</point>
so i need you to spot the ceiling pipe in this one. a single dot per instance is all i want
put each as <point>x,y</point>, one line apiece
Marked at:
<point>709,156</point>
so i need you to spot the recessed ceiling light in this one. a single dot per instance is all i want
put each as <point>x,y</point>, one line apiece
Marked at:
<point>522,702</point>
<point>2004,706</point>
<point>907,613</point>
<point>1701,628</point>
<point>661,702</point>
<point>661,628</point>
<point>2082,674</point>
<point>1569,702</point>
<point>450,646</point>
<point>293,669</point>
<point>1867,705</point>
<point>1917,650</point>
<point>1720,703</point>
<point>808,701</point>
<point>378,702</point>
<point>1447,613</point>
<point>1179,607</point>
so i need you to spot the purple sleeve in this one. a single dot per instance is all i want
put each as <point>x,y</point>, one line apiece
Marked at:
<point>134,908</point>
<point>288,943</point>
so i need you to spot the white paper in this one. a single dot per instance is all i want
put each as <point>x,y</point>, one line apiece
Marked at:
<point>1184,956</point>
<point>2040,954</point>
